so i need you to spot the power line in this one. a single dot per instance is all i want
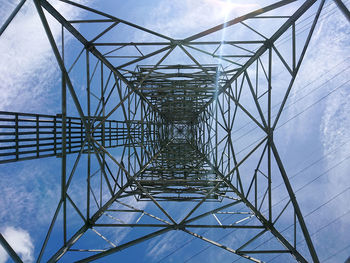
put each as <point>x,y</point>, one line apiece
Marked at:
<point>301,89</point>
<point>313,104</point>
<point>296,101</point>
<point>318,230</point>
<point>183,245</point>
<point>308,214</point>
<point>291,177</point>
<point>294,116</point>
<point>324,173</point>
<point>333,255</point>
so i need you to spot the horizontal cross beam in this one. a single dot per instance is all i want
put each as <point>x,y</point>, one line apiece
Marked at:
<point>25,136</point>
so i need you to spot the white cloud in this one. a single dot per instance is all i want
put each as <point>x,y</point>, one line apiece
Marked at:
<point>335,122</point>
<point>182,18</point>
<point>158,247</point>
<point>335,132</point>
<point>325,128</point>
<point>120,233</point>
<point>21,243</point>
<point>20,82</point>
<point>23,191</point>
<point>28,74</point>
<point>28,68</point>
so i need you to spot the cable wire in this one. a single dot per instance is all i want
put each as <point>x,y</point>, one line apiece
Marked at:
<point>184,244</point>
<point>317,231</point>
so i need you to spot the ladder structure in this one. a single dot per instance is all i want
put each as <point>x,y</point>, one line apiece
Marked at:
<point>158,124</point>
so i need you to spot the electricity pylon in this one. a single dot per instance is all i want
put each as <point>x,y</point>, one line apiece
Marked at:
<point>158,123</point>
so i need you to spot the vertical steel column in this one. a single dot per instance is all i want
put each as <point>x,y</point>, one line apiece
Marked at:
<point>16,136</point>
<point>154,132</point>
<point>103,155</point>
<point>270,134</point>
<point>37,135</point>
<point>64,146</point>
<point>142,130</point>
<point>89,140</point>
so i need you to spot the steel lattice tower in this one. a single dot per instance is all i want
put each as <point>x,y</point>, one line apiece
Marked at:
<point>156,123</point>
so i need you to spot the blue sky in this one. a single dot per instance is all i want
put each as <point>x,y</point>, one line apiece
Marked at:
<point>313,141</point>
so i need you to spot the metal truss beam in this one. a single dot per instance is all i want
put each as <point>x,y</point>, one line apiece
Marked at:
<point>25,136</point>
<point>89,46</point>
<point>12,16</point>
<point>175,142</point>
<point>266,223</point>
<point>267,45</point>
<point>91,221</point>
<point>343,8</point>
<point>10,250</point>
